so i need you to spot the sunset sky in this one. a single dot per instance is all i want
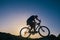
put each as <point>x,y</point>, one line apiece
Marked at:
<point>14,13</point>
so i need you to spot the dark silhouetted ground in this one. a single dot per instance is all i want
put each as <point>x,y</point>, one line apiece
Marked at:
<point>7,36</point>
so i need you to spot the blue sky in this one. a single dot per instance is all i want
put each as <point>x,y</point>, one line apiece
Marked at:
<point>16,12</point>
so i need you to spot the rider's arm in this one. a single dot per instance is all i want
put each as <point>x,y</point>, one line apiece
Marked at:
<point>38,20</point>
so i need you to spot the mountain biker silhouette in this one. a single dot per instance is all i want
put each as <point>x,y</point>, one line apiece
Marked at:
<point>31,21</point>
<point>34,27</point>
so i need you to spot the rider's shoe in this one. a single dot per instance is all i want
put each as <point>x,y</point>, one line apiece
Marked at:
<point>29,31</point>
<point>35,31</point>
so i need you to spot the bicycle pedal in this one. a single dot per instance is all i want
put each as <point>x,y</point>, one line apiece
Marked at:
<point>33,33</point>
<point>36,32</point>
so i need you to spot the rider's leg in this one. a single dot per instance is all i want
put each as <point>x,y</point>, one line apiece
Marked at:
<point>30,29</point>
<point>34,27</point>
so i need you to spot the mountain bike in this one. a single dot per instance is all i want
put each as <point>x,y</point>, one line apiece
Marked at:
<point>42,30</point>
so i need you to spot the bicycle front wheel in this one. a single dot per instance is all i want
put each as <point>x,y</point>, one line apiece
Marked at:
<point>44,31</point>
<point>24,32</point>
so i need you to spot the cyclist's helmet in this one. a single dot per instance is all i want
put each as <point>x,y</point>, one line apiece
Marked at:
<point>36,16</point>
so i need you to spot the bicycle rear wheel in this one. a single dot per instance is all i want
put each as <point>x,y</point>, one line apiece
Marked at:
<point>24,32</point>
<point>44,31</point>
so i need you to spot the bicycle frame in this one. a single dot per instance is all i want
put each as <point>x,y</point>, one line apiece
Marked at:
<point>38,26</point>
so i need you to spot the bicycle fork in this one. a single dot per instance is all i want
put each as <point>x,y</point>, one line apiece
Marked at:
<point>38,28</point>
<point>42,29</point>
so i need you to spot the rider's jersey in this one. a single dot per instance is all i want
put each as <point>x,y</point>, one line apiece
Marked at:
<point>30,19</point>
